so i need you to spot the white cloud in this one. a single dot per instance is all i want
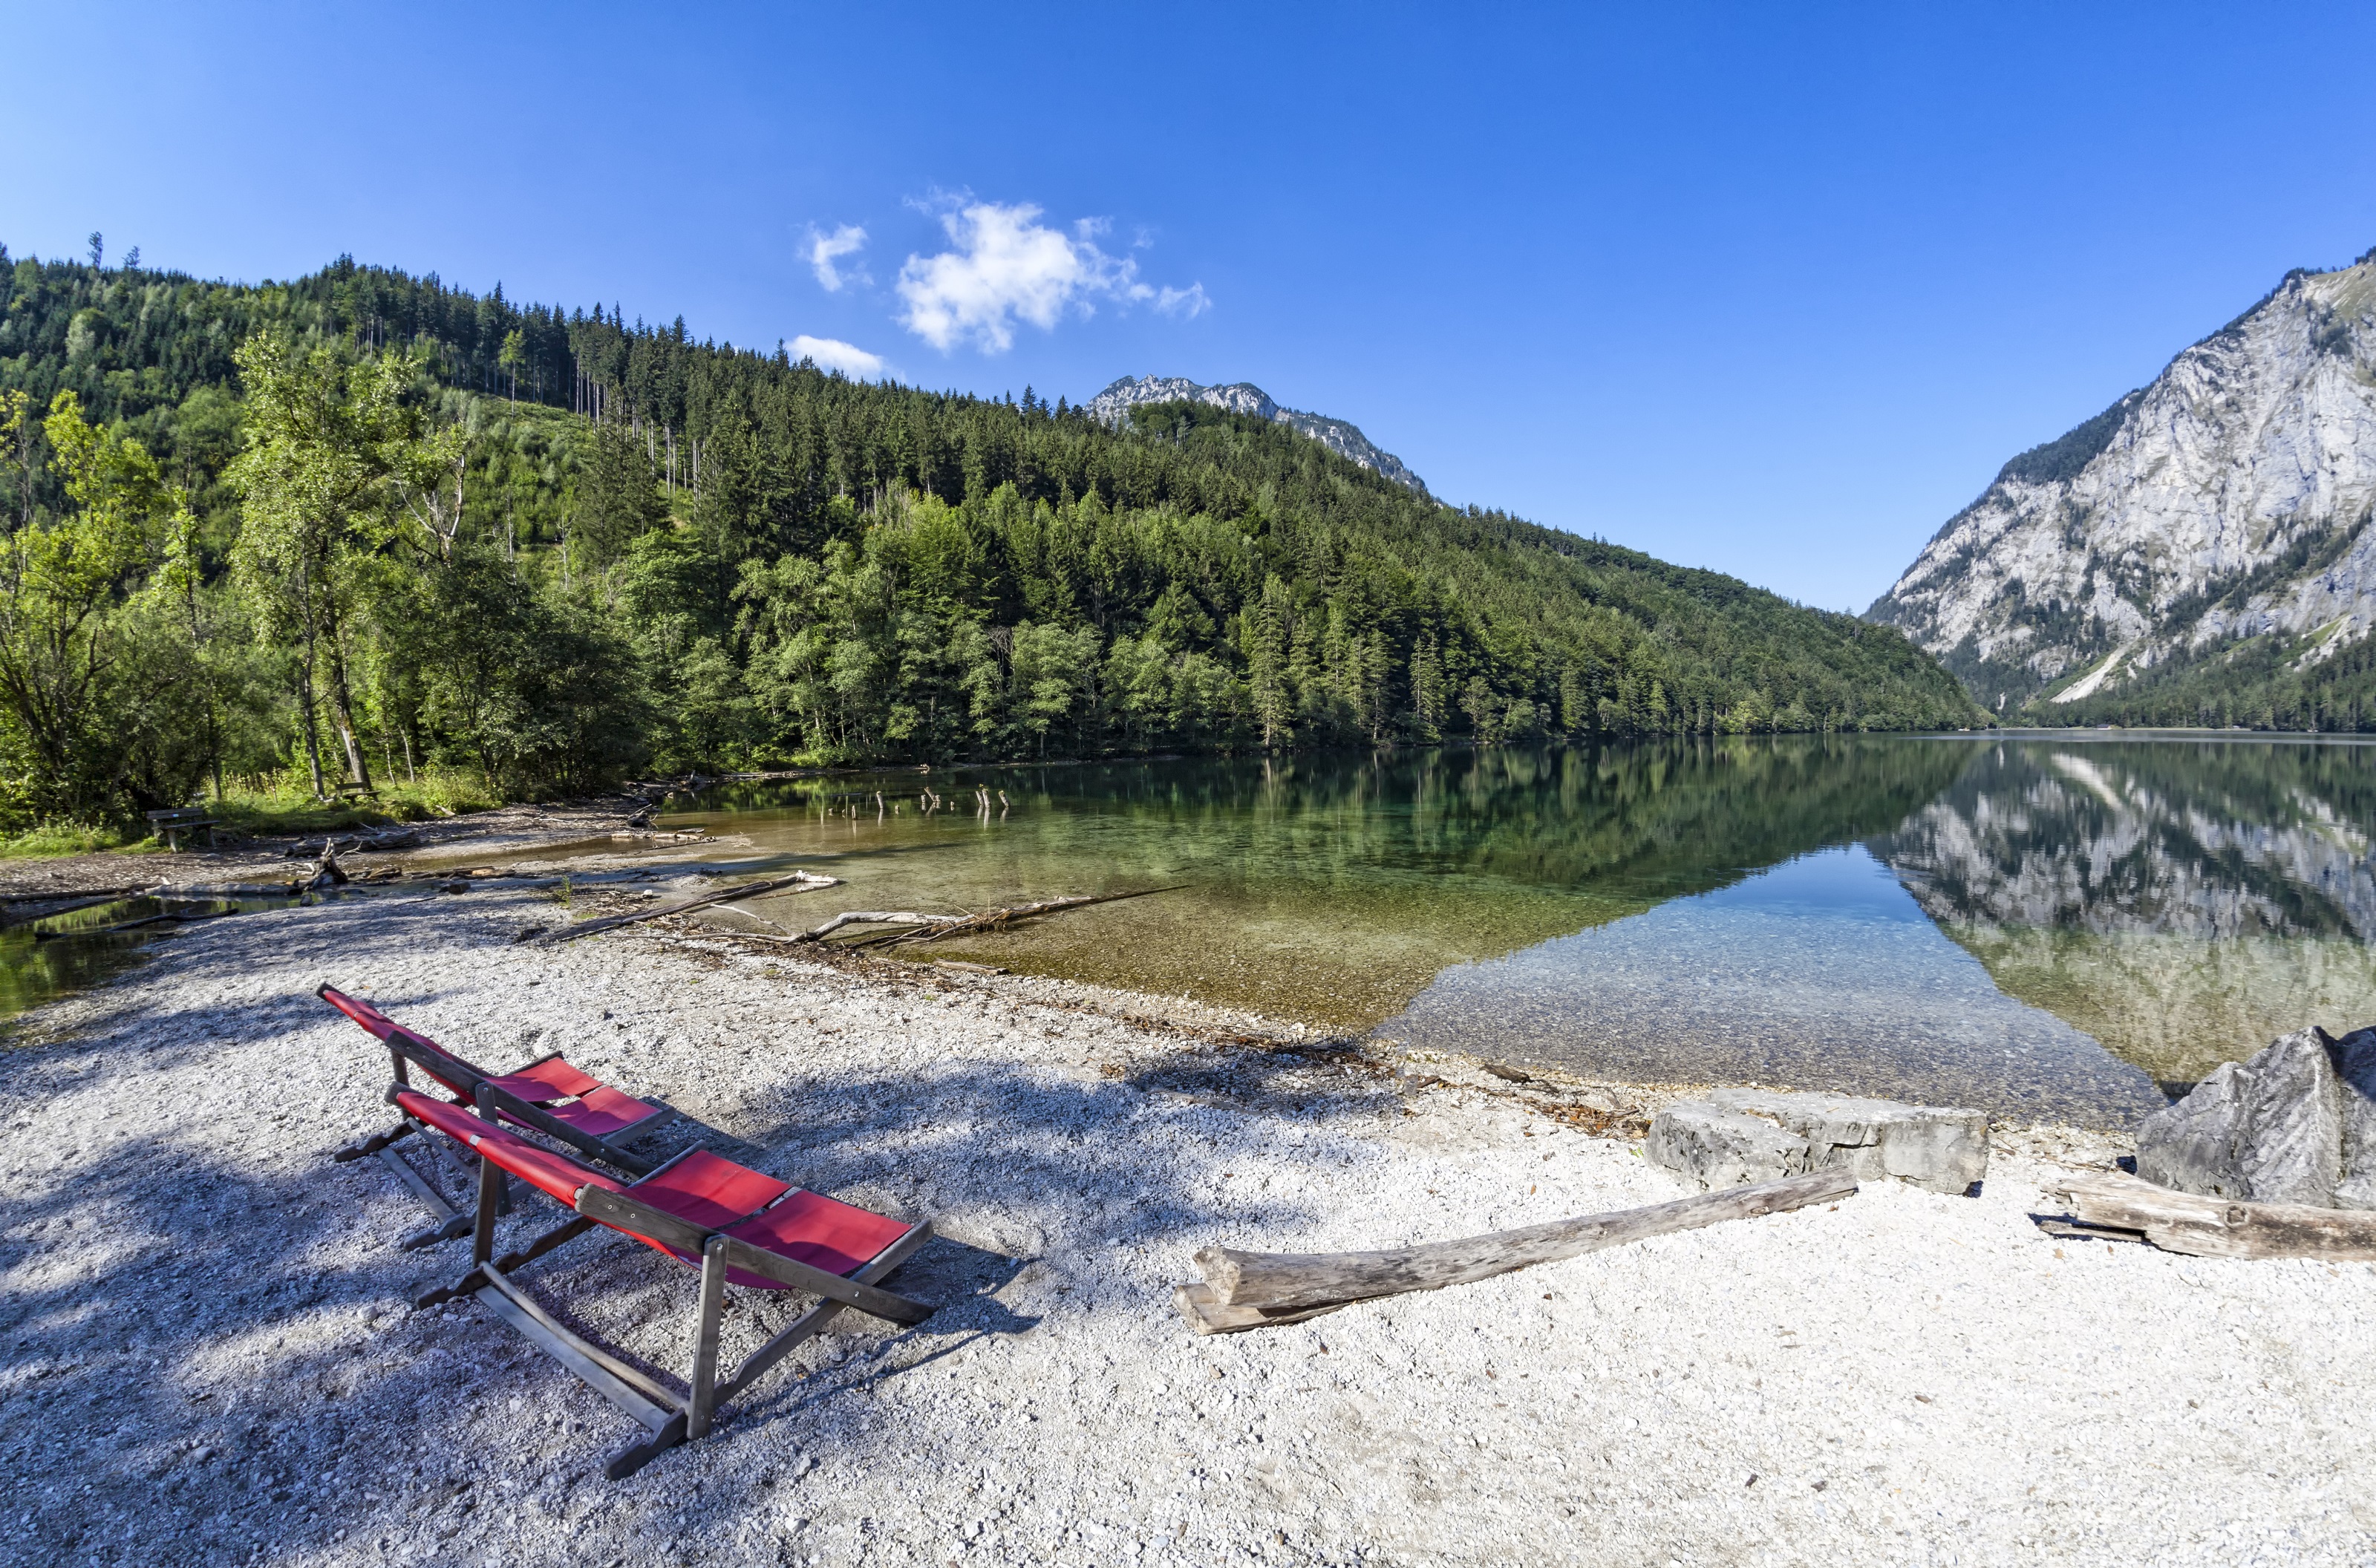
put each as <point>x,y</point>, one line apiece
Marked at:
<point>1008,266</point>
<point>832,353</point>
<point>825,249</point>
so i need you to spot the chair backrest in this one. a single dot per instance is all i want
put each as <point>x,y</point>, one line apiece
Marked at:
<point>459,1077</point>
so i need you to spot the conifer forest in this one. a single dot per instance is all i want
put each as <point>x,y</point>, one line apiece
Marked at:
<point>336,532</point>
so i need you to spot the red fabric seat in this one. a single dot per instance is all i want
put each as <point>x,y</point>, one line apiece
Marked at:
<point>700,1188</point>
<point>813,1228</point>
<point>564,1092</point>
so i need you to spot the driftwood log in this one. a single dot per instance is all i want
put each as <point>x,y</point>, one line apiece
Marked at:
<point>2127,1207</point>
<point>935,927</point>
<point>1251,1290</point>
<point>799,881</point>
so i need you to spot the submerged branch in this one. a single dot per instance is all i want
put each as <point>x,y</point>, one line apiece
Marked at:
<point>798,881</point>
<point>934,927</point>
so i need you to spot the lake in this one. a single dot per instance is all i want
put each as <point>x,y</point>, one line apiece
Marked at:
<point>2067,926</point>
<point>2041,926</point>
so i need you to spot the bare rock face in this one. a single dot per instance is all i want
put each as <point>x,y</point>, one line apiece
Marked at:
<point>2226,502</point>
<point>2294,1124</point>
<point>1737,1135</point>
<point>1718,1148</point>
<point>1935,1147</point>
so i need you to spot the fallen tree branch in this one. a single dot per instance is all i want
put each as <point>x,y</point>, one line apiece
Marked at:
<point>1252,1289</point>
<point>934,927</point>
<point>2218,1228</point>
<point>799,881</point>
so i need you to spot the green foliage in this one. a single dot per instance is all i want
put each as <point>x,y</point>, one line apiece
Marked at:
<point>79,645</point>
<point>50,839</point>
<point>423,530</point>
<point>284,803</point>
<point>2263,683</point>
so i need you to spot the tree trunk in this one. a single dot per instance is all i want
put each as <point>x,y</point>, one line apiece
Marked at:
<point>306,683</point>
<point>342,709</point>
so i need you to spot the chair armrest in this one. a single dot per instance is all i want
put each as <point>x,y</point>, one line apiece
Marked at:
<point>870,1299</point>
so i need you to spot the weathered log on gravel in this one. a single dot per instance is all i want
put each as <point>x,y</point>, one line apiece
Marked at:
<point>1276,1282</point>
<point>871,917</point>
<point>131,925</point>
<point>1207,1315</point>
<point>799,881</point>
<point>2219,1228</point>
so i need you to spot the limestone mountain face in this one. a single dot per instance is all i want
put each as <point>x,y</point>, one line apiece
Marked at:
<point>2226,504</point>
<point>1113,405</point>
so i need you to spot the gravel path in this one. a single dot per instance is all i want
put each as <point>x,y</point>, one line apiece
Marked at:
<point>207,1356</point>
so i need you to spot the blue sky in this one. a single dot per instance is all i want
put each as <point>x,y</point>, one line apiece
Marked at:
<point>1773,289</point>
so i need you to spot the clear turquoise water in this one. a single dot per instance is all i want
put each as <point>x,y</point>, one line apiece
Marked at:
<point>2037,926</point>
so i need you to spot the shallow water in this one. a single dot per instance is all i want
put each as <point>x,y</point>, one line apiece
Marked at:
<point>59,953</point>
<point>2037,926</point>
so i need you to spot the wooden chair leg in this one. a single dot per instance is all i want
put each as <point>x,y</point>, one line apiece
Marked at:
<point>373,1144</point>
<point>491,1192</point>
<point>704,1339</point>
<point>477,1278</point>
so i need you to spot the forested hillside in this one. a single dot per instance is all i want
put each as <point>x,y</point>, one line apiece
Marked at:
<point>361,524</point>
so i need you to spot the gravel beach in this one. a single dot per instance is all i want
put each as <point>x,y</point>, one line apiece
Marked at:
<point>209,1357</point>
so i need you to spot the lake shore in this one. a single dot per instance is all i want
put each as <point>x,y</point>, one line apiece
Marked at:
<point>211,1357</point>
<point>30,887</point>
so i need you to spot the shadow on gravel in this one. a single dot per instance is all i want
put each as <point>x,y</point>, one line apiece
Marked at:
<point>208,1353</point>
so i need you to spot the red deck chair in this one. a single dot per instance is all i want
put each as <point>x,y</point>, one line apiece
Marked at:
<point>737,1226</point>
<point>548,1095</point>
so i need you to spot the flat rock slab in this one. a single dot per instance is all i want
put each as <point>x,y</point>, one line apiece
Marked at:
<point>1737,1135</point>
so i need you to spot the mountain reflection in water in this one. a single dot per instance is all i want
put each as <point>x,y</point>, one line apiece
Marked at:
<point>2183,902</point>
<point>2037,926</point>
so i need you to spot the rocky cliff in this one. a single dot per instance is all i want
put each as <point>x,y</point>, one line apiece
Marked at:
<point>2218,515</point>
<point>1242,398</point>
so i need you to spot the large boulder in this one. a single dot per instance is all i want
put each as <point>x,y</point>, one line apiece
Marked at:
<point>1742,1136</point>
<point>2296,1124</point>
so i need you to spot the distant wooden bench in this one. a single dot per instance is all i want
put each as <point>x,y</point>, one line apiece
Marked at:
<point>172,823</point>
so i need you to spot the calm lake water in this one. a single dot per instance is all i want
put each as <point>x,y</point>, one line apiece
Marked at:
<point>2041,926</point>
<point>2037,926</point>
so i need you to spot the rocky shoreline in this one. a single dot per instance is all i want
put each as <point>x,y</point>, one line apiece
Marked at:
<point>211,1358</point>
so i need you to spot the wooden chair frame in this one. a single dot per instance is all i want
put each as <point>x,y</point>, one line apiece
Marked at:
<point>666,1416</point>
<point>406,1050</point>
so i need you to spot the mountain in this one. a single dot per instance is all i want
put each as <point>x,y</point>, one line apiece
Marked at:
<point>2198,552</point>
<point>581,547</point>
<point>1113,405</point>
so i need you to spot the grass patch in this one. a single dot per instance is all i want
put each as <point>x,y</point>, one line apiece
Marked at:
<point>274,806</point>
<point>51,840</point>
<point>284,804</point>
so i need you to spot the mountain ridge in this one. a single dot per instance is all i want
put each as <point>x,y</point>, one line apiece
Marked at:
<point>2202,542</point>
<point>1112,406</point>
